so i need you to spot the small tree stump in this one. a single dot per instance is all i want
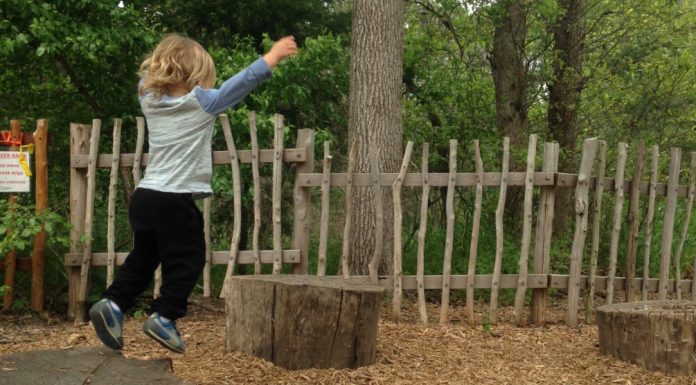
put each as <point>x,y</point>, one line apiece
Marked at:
<point>298,321</point>
<point>657,335</point>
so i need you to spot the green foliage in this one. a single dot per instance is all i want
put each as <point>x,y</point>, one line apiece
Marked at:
<point>20,223</point>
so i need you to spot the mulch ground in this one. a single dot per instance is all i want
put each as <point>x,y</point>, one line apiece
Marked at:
<point>408,353</point>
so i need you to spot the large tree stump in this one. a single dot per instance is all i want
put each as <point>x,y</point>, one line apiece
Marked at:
<point>299,321</point>
<point>657,335</point>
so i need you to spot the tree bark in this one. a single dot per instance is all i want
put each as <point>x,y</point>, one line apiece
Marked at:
<point>564,96</point>
<point>375,117</point>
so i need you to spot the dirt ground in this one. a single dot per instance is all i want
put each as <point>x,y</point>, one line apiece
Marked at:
<point>407,354</point>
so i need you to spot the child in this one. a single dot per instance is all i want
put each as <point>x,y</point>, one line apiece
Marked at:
<point>180,106</point>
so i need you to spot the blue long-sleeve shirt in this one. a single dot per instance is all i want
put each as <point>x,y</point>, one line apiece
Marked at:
<point>180,131</point>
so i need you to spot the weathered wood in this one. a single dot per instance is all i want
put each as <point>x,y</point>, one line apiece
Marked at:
<point>236,202</point>
<point>499,235</point>
<point>422,228</point>
<point>685,222</point>
<point>38,255</point>
<point>207,289</point>
<point>589,149</point>
<point>304,321</point>
<point>526,231</point>
<point>277,192</point>
<point>473,248</point>
<point>398,255</point>
<point>449,234</point>
<point>633,223</point>
<point>245,257</point>
<point>89,211</point>
<point>616,228</point>
<point>373,267</point>
<point>544,231</point>
<point>596,219</point>
<point>324,219</point>
<point>345,249</point>
<point>11,256</point>
<point>649,219</point>
<point>111,206</point>
<point>79,144</point>
<point>301,198</point>
<point>257,190</point>
<point>668,224</point>
<point>657,335</point>
<point>138,155</point>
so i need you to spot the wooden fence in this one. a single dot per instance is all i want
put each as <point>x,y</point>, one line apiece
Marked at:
<point>540,279</point>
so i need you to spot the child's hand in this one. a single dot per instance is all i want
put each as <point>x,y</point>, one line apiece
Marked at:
<point>280,50</point>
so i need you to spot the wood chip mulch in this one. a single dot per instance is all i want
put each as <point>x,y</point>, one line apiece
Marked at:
<point>408,353</point>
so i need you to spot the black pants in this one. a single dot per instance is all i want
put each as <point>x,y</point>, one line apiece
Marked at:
<point>168,229</point>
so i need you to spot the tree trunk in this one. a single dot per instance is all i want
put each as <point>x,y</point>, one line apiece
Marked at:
<point>564,97</point>
<point>375,117</point>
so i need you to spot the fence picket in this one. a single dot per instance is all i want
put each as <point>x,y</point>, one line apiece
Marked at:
<point>345,250</point>
<point>251,116</point>
<point>208,250</point>
<point>379,214</point>
<point>633,222</point>
<point>449,237</point>
<point>473,249</point>
<point>616,228</point>
<point>685,224</point>
<point>324,219</point>
<point>422,227</point>
<point>499,235</point>
<point>649,219</point>
<point>668,224</point>
<point>277,190</point>
<point>596,220</point>
<point>236,202</point>
<point>398,218</point>
<point>111,209</point>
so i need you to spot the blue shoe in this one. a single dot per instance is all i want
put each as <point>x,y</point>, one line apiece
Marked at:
<point>164,332</point>
<point>108,323</point>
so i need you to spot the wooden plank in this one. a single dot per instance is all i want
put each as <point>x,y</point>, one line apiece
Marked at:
<point>633,222</point>
<point>668,224</point>
<point>685,223</point>
<point>373,267</point>
<point>589,149</point>
<point>11,256</point>
<point>473,249</point>
<point>570,180</point>
<point>463,179</point>
<point>561,282</point>
<point>290,155</point>
<point>111,206</point>
<point>526,231</point>
<point>245,257</point>
<point>138,156</point>
<point>277,192</point>
<point>422,227</point>
<point>449,236</point>
<point>616,227</point>
<point>207,287</point>
<point>499,235</point>
<point>596,220</point>
<point>324,219</point>
<point>649,219</point>
<point>89,211</point>
<point>38,259</point>
<point>458,282</point>
<point>302,209</point>
<point>398,255</point>
<point>79,144</point>
<point>544,231</point>
<point>345,249</point>
<point>257,190</point>
<point>236,202</point>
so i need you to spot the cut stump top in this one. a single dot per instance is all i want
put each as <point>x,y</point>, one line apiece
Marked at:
<point>676,307</point>
<point>330,282</point>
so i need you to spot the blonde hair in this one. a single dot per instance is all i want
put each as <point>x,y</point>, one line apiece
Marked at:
<point>176,59</point>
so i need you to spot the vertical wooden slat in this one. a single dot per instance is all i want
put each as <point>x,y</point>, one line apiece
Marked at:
<point>499,235</point>
<point>396,194</point>
<point>139,142</point>
<point>302,206</point>
<point>79,145</point>
<point>207,289</point>
<point>473,248</point>
<point>685,224</point>
<point>257,191</point>
<point>449,236</point>
<point>526,230</point>
<point>422,227</point>
<point>324,219</point>
<point>89,211</point>
<point>236,201</point>
<point>633,223</point>
<point>668,224</point>
<point>649,219</point>
<point>616,228</point>
<point>277,190</point>
<point>373,267</point>
<point>38,255</point>
<point>589,149</point>
<point>11,256</point>
<point>596,219</point>
<point>345,250</point>
<point>544,231</point>
<point>111,209</point>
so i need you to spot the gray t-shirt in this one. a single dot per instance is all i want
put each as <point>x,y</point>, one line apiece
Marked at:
<point>180,131</point>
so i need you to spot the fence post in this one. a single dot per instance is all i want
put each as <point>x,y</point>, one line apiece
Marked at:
<point>38,255</point>
<point>668,226</point>
<point>301,197</point>
<point>79,145</point>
